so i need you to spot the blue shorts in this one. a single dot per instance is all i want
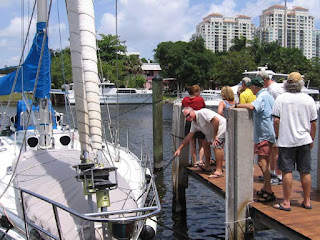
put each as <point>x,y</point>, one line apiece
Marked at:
<point>295,158</point>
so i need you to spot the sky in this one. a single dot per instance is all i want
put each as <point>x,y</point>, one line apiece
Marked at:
<point>142,24</point>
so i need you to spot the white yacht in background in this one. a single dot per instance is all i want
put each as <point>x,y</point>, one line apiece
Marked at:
<point>211,97</point>
<point>110,94</point>
<point>280,77</point>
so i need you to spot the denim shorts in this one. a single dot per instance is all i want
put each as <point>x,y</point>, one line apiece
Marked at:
<point>295,158</point>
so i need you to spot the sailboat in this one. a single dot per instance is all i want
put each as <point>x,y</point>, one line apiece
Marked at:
<point>63,183</point>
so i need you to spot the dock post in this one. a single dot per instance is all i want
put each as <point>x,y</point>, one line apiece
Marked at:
<point>179,175</point>
<point>239,171</point>
<point>157,121</point>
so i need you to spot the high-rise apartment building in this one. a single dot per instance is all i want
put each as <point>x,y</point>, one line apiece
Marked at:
<point>300,29</point>
<point>219,32</point>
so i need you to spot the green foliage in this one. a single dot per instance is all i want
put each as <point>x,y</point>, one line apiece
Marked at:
<point>135,81</point>
<point>230,66</point>
<point>60,67</point>
<point>110,47</point>
<point>118,68</point>
<point>190,63</point>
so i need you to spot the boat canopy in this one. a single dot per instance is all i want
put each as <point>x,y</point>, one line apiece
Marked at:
<point>28,71</point>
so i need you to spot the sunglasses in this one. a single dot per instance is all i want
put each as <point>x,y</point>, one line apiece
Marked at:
<point>188,114</point>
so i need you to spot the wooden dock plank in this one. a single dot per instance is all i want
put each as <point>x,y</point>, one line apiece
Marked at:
<point>298,222</point>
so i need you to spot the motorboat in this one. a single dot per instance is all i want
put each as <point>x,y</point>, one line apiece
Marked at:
<point>110,94</point>
<point>280,77</point>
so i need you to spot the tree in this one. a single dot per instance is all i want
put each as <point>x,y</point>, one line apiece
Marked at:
<point>190,63</point>
<point>60,66</point>
<point>229,67</point>
<point>110,48</point>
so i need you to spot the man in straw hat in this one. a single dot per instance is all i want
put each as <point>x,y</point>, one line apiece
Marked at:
<point>295,117</point>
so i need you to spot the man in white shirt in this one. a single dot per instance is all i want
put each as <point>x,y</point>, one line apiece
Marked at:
<point>295,117</point>
<point>274,89</point>
<point>214,127</point>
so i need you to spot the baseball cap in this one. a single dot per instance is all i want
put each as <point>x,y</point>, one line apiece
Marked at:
<point>263,75</point>
<point>258,82</point>
<point>246,81</point>
<point>294,77</point>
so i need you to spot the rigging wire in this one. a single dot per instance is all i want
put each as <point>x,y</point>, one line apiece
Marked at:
<point>19,66</point>
<point>33,98</point>
<point>66,99</point>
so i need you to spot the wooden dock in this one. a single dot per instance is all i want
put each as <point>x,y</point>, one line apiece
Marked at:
<point>299,223</point>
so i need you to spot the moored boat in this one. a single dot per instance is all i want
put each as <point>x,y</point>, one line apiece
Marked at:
<point>62,183</point>
<point>110,94</point>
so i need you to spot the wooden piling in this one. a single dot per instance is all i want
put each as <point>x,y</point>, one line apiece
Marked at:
<point>157,87</point>
<point>239,171</point>
<point>179,175</point>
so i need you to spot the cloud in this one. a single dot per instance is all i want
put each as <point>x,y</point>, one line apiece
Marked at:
<point>145,23</point>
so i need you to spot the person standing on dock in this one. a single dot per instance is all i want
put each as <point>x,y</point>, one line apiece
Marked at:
<point>196,102</point>
<point>295,123</point>
<point>214,127</point>
<point>275,90</point>
<point>247,95</point>
<point>264,135</point>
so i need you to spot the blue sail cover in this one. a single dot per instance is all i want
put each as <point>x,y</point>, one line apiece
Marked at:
<point>29,69</point>
<point>21,107</point>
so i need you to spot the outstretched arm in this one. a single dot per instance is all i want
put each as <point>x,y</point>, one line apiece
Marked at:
<point>185,141</point>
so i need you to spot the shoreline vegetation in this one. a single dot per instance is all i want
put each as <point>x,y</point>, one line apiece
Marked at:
<point>167,98</point>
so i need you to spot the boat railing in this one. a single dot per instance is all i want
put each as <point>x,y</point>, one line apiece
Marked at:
<point>141,213</point>
<point>133,142</point>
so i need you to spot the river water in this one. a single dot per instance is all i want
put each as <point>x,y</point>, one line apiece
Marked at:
<point>205,215</point>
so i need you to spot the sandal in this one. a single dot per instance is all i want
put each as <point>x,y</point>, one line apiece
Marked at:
<point>261,192</point>
<point>267,197</point>
<point>200,163</point>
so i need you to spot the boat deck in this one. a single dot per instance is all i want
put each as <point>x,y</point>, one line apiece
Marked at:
<point>299,223</point>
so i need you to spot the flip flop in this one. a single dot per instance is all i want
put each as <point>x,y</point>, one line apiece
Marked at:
<point>304,206</point>
<point>214,175</point>
<point>280,207</point>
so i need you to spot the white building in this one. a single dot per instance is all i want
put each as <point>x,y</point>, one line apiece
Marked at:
<point>300,29</point>
<point>219,32</point>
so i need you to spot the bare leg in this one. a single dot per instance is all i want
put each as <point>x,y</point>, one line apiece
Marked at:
<point>306,186</point>
<point>273,160</point>
<point>218,153</point>
<point>263,162</point>
<point>201,150</point>
<point>207,154</point>
<point>193,151</point>
<point>286,186</point>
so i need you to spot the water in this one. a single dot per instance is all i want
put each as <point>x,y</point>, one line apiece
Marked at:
<point>205,215</point>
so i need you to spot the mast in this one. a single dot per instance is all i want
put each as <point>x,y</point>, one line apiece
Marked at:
<point>45,124</point>
<point>285,23</point>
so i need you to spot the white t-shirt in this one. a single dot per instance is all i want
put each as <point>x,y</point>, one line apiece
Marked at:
<point>203,123</point>
<point>275,90</point>
<point>296,111</point>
